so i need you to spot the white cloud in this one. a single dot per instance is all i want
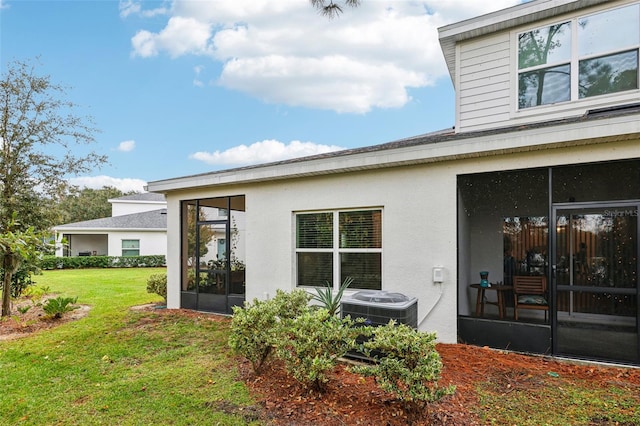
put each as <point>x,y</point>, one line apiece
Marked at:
<point>126,146</point>
<point>285,52</point>
<point>181,36</point>
<point>130,7</point>
<point>97,182</point>
<point>196,81</point>
<point>263,152</point>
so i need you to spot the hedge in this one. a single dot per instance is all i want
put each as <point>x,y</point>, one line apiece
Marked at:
<point>79,262</point>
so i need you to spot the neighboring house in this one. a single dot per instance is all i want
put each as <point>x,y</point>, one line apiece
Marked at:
<point>539,177</point>
<point>137,227</point>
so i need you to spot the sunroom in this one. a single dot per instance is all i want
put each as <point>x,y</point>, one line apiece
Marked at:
<point>576,229</point>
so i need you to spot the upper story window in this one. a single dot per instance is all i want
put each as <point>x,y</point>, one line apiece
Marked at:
<point>583,57</point>
<point>334,245</point>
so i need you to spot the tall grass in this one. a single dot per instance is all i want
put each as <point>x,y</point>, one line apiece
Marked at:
<point>118,365</point>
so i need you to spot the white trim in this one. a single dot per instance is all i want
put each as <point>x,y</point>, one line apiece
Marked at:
<point>105,230</point>
<point>336,250</point>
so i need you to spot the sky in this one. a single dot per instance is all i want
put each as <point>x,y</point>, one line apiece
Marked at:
<point>178,88</point>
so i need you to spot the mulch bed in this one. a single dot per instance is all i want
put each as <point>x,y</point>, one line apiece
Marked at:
<point>353,400</point>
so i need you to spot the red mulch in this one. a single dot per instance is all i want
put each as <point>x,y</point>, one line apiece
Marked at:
<point>353,400</point>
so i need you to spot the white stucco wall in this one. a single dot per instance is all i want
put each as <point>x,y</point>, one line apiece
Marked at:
<point>151,242</point>
<point>420,226</point>
<point>121,208</point>
<point>416,221</point>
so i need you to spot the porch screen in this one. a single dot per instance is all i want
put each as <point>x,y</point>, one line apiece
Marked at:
<point>333,246</point>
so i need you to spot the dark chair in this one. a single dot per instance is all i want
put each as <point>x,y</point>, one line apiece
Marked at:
<point>530,292</point>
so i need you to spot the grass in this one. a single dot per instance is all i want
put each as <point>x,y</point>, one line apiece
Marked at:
<point>119,366</point>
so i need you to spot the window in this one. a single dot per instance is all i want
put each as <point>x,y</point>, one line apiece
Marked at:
<point>131,247</point>
<point>331,246</point>
<point>603,59</point>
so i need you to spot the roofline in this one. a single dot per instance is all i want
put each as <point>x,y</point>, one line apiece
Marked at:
<point>501,20</point>
<point>115,200</point>
<point>421,150</point>
<point>107,230</point>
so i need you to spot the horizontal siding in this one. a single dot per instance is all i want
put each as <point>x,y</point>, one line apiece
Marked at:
<point>498,104</point>
<point>485,80</point>
<point>490,99</point>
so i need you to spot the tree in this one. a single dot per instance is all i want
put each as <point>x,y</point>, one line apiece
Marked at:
<point>87,203</point>
<point>40,135</point>
<point>330,9</point>
<point>16,248</point>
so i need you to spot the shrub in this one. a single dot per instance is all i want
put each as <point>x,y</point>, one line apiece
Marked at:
<point>407,365</point>
<point>289,305</point>
<point>79,262</point>
<point>252,329</point>
<point>254,326</point>
<point>311,343</point>
<point>55,308</point>
<point>20,281</point>
<point>157,284</point>
<point>36,292</point>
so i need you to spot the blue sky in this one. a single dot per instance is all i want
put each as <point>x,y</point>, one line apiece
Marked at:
<point>186,87</point>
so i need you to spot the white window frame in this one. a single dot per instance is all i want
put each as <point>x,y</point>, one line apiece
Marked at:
<point>129,249</point>
<point>586,102</point>
<point>336,250</point>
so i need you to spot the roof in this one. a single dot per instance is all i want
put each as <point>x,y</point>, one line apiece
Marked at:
<point>503,20</point>
<point>149,197</point>
<point>596,126</point>
<point>151,220</point>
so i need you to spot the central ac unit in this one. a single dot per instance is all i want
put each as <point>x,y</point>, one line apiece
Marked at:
<point>377,307</point>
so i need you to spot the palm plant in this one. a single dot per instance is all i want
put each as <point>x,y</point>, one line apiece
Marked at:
<point>330,301</point>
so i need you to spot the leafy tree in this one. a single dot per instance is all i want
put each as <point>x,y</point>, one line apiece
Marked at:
<point>40,135</point>
<point>87,203</point>
<point>331,9</point>
<point>16,248</point>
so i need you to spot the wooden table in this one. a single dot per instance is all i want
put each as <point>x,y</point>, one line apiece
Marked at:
<point>480,301</point>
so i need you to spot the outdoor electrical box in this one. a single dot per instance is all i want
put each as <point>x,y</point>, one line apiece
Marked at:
<point>438,274</point>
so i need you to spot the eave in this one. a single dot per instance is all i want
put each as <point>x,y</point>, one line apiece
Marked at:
<point>425,149</point>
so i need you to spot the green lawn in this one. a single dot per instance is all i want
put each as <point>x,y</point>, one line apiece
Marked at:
<point>117,365</point>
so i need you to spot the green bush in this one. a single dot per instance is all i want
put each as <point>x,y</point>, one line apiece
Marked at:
<point>254,326</point>
<point>311,343</point>
<point>36,293</point>
<point>252,329</point>
<point>20,281</point>
<point>407,365</point>
<point>289,305</point>
<point>157,284</point>
<point>79,262</point>
<point>55,308</point>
